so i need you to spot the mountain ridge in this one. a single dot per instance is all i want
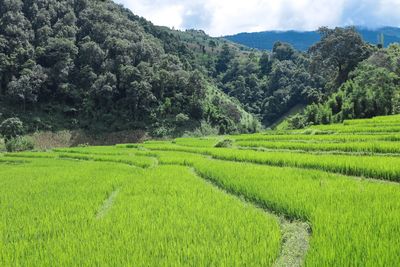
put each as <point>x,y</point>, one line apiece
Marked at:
<point>302,40</point>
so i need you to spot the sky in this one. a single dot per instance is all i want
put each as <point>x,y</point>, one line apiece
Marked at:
<point>226,17</point>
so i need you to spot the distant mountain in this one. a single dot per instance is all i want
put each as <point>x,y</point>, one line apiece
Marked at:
<point>302,40</point>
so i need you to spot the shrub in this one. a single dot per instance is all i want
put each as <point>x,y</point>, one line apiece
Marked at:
<point>224,143</point>
<point>18,144</point>
<point>11,128</point>
<point>297,121</point>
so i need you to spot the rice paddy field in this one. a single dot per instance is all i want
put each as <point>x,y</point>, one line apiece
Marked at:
<point>324,196</point>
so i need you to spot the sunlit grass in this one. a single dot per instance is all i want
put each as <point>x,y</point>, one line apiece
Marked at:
<point>171,203</point>
<point>159,217</point>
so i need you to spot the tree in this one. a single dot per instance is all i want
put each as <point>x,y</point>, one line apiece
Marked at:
<point>224,59</point>
<point>342,48</point>
<point>27,87</point>
<point>104,87</point>
<point>90,54</point>
<point>297,121</point>
<point>283,51</point>
<point>181,119</point>
<point>212,44</point>
<point>265,64</point>
<point>143,100</point>
<point>59,58</point>
<point>371,91</point>
<point>15,37</point>
<point>11,128</point>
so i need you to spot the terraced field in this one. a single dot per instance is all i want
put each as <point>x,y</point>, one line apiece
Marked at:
<point>324,196</point>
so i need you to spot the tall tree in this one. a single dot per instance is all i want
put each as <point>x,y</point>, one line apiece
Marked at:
<point>283,51</point>
<point>342,48</point>
<point>224,59</point>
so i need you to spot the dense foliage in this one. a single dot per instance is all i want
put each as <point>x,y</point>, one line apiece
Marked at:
<point>372,89</point>
<point>11,128</point>
<point>270,84</point>
<point>94,65</point>
<point>267,84</point>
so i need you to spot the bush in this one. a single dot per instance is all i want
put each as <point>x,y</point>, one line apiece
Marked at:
<point>18,144</point>
<point>297,121</point>
<point>224,143</point>
<point>11,128</point>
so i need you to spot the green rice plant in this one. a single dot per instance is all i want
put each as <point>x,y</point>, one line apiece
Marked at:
<point>173,157</point>
<point>373,129</point>
<point>354,222</point>
<point>197,142</point>
<point>332,138</point>
<point>127,145</point>
<point>367,147</point>
<point>89,206</point>
<point>87,213</point>
<point>378,167</point>
<point>95,150</point>
<point>380,124</point>
<point>139,161</point>
<point>5,160</point>
<point>46,209</point>
<point>31,155</point>
<point>378,119</point>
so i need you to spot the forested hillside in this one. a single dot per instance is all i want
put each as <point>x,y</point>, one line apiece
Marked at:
<point>372,89</point>
<point>340,77</point>
<point>94,65</point>
<point>270,84</point>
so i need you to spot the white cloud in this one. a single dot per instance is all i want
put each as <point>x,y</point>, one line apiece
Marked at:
<point>223,17</point>
<point>388,10</point>
<point>162,13</point>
